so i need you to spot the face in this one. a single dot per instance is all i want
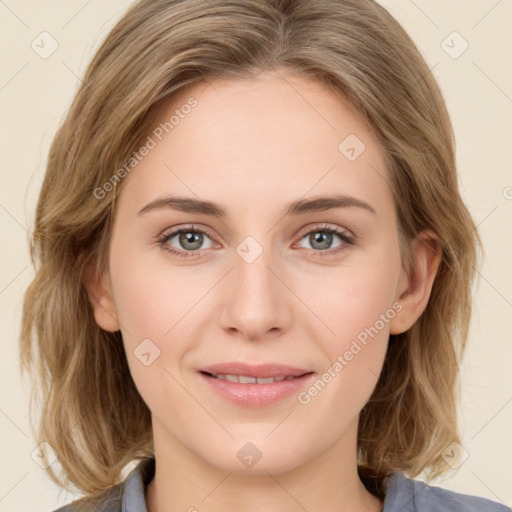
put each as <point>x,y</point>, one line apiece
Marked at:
<point>311,287</point>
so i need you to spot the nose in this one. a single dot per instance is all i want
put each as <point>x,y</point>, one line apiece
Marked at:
<point>256,300</point>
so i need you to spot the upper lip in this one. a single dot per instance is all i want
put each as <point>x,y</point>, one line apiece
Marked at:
<point>250,370</point>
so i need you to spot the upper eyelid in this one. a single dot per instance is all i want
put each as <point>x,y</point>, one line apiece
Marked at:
<point>175,231</point>
<point>325,226</point>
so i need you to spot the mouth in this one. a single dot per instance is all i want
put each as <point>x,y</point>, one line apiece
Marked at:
<point>255,386</point>
<point>254,371</point>
<point>247,379</point>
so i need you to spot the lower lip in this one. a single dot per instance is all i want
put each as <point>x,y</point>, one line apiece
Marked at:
<point>256,395</point>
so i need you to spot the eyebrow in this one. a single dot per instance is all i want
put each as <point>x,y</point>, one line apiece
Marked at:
<point>294,208</point>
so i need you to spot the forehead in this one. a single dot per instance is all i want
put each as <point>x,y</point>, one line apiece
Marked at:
<point>274,137</point>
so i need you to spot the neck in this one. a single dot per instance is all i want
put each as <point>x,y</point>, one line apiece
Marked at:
<point>329,482</point>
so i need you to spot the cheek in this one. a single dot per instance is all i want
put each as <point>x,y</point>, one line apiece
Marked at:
<point>158,306</point>
<point>356,305</point>
<point>357,311</point>
<point>152,309</point>
<point>356,297</point>
<point>363,304</point>
<point>153,297</point>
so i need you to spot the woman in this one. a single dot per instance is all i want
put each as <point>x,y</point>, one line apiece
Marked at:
<point>254,266</point>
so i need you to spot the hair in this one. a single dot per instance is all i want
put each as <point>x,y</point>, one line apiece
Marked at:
<point>91,412</point>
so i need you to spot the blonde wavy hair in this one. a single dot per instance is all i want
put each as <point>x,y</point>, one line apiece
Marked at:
<point>91,412</point>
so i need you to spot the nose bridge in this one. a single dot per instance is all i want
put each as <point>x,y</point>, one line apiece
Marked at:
<point>254,280</point>
<point>255,301</point>
<point>252,267</point>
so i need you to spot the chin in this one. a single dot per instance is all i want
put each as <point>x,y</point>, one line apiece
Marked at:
<point>258,457</point>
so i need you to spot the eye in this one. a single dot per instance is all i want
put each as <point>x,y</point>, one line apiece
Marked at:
<point>321,240</point>
<point>188,240</point>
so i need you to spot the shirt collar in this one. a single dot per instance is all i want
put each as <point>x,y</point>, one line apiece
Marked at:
<point>134,499</point>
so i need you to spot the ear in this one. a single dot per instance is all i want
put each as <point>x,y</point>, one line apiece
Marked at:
<point>414,288</point>
<point>100,297</point>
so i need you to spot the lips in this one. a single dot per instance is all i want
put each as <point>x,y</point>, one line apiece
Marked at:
<point>255,385</point>
<point>262,371</point>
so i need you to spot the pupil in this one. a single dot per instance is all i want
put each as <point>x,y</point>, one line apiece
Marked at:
<point>323,238</point>
<point>190,237</point>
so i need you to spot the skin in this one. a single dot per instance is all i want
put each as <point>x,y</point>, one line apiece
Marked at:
<point>252,146</point>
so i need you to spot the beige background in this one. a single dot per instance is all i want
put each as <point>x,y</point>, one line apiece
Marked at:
<point>34,95</point>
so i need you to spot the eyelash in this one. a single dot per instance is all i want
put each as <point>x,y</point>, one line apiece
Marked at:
<point>345,238</point>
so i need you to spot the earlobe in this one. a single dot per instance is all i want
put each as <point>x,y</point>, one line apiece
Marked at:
<point>415,288</point>
<point>101,300</point>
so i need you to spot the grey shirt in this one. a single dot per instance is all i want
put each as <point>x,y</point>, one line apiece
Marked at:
<point>401,495</point>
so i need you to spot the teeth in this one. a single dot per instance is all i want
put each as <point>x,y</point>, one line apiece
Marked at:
<point>265,380</point>
<point>244,379</point>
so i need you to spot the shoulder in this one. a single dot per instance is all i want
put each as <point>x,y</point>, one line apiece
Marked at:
<point>129,493</point>
<point>407,495</point>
